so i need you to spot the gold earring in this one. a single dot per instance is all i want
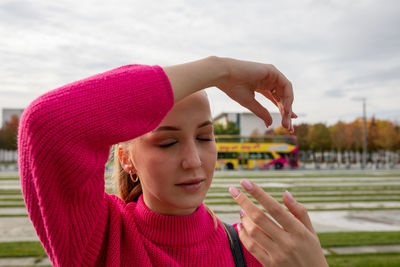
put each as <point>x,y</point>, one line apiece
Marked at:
<point>133,179</point>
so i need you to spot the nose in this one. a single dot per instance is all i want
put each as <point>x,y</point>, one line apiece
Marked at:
<point>191,157</point>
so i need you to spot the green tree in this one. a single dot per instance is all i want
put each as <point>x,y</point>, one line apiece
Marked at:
<point>319,137</point>
<point>230,129</point>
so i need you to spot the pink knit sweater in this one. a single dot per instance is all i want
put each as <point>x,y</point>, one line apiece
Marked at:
<point>64,143</point>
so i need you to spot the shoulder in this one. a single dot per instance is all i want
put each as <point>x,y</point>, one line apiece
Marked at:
<point>114,202</point>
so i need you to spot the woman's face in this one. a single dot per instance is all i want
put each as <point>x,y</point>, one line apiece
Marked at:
<point>175,162</point>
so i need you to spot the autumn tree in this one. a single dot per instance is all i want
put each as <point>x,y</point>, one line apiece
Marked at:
<point>372,135</point>
<point>338,135</point>
<point>8,134</point>
<point>388,135</point>
<point>301,132</point>
<point>319,139</point>
<point>281,131</point>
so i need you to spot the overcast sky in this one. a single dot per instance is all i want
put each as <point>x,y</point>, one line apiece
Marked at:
<point>332,51</point>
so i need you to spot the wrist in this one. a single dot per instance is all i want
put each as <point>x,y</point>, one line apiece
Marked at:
<point>193,76</point>
<point>219,70</point>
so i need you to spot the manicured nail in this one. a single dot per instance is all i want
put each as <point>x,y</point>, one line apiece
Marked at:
<point>246,184</point>
<point>239,227</point>
<point>234,192</point>
<point>290,197</point>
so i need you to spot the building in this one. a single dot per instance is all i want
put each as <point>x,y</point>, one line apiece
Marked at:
<point>248,123</point>
<point>9,112</point>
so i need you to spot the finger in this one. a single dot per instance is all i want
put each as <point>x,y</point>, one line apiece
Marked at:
<point>298,210</point>
<point>293,115</point>
<point>258,217</point>
<point>256,233</point>
<point>284,105</point>
<point>271,205</point>
<point>286,116</point>
<point>251,245</point>
<point>269,95</point>
<point>259,111</point>
<point>291,129</point>
<point>287,101</point>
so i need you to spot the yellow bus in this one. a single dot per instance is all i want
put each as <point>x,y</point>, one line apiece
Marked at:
<point>265,152</point>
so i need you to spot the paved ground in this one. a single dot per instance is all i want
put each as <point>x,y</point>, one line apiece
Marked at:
<point>24,261</point>
<point>17,229</point>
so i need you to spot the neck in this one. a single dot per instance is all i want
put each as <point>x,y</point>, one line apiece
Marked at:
<point>163,208</point>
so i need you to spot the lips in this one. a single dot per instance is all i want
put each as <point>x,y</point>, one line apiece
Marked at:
<point>191,182</point>
<point>192,185</point>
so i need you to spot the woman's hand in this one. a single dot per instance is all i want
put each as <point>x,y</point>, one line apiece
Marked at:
<point>245,78</point>
<point>239,80</point>
<point>291,243</point>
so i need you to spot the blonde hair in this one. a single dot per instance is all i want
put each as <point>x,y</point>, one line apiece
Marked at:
<point>126,189</point>
<point>130,191</point>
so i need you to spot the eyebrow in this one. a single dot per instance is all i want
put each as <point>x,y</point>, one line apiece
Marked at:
<point>172,128</point>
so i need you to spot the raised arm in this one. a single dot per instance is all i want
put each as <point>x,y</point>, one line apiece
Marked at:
<point>239,80</point>
<point>64,141</point>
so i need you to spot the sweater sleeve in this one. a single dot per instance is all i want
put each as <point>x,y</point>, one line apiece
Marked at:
<point>64,142</point>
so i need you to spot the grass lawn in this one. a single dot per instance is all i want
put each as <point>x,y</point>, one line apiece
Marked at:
<point>22,249</point>
<point>364,260</point>
<point>9,178</point>
<point>10,191</point>
<point>358,238</point>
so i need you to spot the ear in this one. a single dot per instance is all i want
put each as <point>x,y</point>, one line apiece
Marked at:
<point>124,158</point>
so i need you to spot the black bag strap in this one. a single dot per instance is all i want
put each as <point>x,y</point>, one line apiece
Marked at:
<point>236,247</point>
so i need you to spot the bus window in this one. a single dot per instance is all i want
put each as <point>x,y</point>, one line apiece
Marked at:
<point>255,155</point>
<point>260,155</point>
<point>227,155</point>
<point>267,155</point>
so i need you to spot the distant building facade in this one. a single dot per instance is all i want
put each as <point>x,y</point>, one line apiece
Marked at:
<point>248,123</point>
<point>9,112</point>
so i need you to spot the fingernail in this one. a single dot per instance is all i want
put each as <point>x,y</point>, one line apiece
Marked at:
<point>290,197</point>
<point>242,213</point>
<point>239,227</point>
<point>246,184</point>
<point>234,192</point>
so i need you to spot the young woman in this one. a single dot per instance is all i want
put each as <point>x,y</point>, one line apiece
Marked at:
<point>166,154</point>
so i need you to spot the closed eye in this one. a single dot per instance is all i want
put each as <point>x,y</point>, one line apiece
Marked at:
<point>167,145</point>
<point>205,139</point>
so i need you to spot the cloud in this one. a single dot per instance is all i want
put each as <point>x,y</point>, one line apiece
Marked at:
<point>330,50</point>
<point>335,93</point>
